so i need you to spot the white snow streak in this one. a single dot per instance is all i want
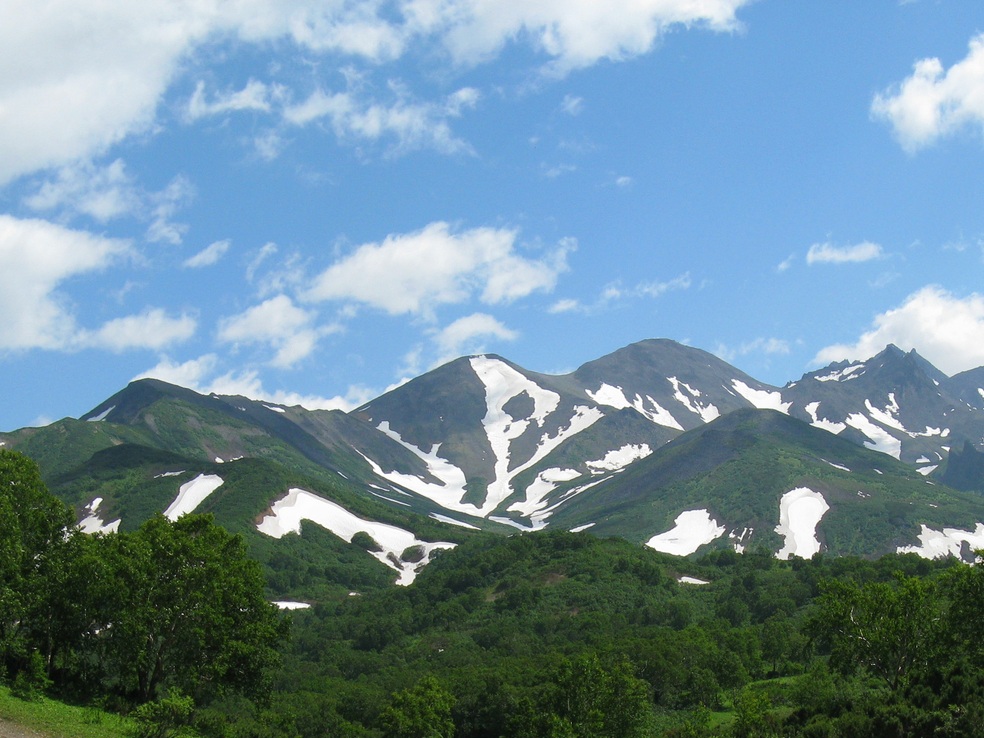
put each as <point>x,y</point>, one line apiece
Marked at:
<point>288,605</point>
<point>452,521</point>
<point>192,494</point>
<point>692,529</point>
<point>536,494</point>
<point>822,423</point>
<point>298,505</point>
<point>502,383</point>
<point>879,438</point>
<point>762,399</point>
<point>102,415</point>
<point>936,544</point>
<point>842,375</point>
<point>619,458</point>
<point>448,493</point>
<point>92,523</point>
<point>800,511</point>
<point>691,580</point>
<point>615,397</point>
<point>707,412</point>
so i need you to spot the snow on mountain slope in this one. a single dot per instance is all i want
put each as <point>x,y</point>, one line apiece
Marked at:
<point>288,513</point>
<point>192,494</point>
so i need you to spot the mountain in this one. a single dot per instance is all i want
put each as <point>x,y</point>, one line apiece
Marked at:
<point>658,442</point>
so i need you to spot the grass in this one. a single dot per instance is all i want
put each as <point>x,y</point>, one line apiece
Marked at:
<point>54,719</point>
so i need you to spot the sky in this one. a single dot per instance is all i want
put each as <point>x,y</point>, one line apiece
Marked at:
<point>312,201</point>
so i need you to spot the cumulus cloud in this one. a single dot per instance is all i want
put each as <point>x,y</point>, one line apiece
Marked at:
<point>277,323</point>
<point>769,346</point>
<point>36,258</point>
<point>933,102</point>
<point>573,33</point>
<point>254,96</point>
<point>102,193</point>
<point>466,336</point>
<point>200,375</point>
<point>413,273</point>
<point>945,329</point>
<point>152,329</point>
<point>208,256</point>
<point>412,124</point>
<point>107,66</point>
<point>827,253</point>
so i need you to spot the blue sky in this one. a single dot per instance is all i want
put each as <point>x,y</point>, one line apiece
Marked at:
<point>309,202</point>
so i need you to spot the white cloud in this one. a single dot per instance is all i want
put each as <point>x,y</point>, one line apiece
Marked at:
<point>105,67</point>
<point>165,204</point>
<point>254,96</point>
<point>414,125</point>
<point>464,335</point>
<point>198,375</point>
<point>152,329</point>
<point>36,258</point>
<point>414,273</point>
<point>932,103</point>
<point>572,104</point>
<point>208,256</point>
<point>945,329</point>
<point>827,253</point>
<point>574,33</point>
<point>102,193</point>
<point>770,346</point>
<point>278,323</point>
<point>566,305</point>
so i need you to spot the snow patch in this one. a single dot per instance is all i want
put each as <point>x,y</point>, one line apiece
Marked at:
<point>92,523</point>
<point>545,483</point>
<point>691,580</point>
<point>582,528</point>
<point>800,511</point>
<point>102,415</point>
<point>298,505</point>
<point>192,494</point>
<point>502,383</point>
<point>842,375</point>
<point>888,416</point>
<point>619,458</point>
<point>288,605</point>
<point>935,544</point>
<point>452,521</point>
<point>822,423</point>
<point>836,466</point>
<point>707,412</point>
<point>692,529</point>
<point>878,438</point>
<point>927,470</point>
<point>615,397</point>
<point>169,474</point>
<point>275,408</point>
<point>762,399</point>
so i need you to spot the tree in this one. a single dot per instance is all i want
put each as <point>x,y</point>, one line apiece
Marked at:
<point>191,614</point>
<point>424,711</point>
<point>889,630</point>
<point>35,524</point>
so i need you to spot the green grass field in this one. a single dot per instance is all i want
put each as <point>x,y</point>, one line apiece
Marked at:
<point>54,719</point>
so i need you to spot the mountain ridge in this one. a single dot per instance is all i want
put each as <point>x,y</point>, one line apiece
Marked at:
<point>628,444</point>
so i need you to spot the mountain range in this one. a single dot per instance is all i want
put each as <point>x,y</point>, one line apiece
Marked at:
<point>658,442</point>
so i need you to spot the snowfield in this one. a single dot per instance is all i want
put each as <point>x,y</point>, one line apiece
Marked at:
<point>192,494</point>
<point>92,523</point>
<point>299,505</point>
<point>615,397</point>
<point>693,529</point>
<point>762,399</point>
<point>935,544</point>
<point>706,412</point>
<point>800,511</point>
<point>619,458</point>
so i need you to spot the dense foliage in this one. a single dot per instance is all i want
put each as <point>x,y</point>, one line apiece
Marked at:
<point>545,635</point>
<point>129,617</point>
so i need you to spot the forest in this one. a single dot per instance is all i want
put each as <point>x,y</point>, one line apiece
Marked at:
<point>552,634</point>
